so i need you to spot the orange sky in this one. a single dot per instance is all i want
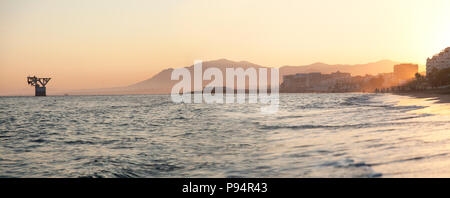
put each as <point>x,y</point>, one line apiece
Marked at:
<point>93,44</point>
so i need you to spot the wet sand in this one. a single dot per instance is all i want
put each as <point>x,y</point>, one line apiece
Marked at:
<point>443,95</point>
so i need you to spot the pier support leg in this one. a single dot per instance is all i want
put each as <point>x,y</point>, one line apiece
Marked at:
<point>40,91</point>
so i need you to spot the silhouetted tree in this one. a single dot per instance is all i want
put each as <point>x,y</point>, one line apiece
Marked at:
<point>438,78</point>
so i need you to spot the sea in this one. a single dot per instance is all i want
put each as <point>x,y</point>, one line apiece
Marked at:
<point>311,135</point>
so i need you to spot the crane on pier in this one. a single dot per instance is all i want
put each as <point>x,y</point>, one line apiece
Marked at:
<point>39,85</point>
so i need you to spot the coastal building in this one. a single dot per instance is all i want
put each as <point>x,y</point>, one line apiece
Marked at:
<point>439,61</point>
<point>389,79</point>
<point>336,82</point>
<point>405,72</point>
<point>318,82</point>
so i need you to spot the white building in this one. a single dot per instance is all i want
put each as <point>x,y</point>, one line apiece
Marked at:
<point>439,61</point>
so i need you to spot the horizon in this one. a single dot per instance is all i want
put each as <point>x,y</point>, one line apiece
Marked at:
<point>122,42</point>
<point>29,90</point>
<point>224,96</point>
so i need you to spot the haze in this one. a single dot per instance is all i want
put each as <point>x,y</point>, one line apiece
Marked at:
<point>96,44</point>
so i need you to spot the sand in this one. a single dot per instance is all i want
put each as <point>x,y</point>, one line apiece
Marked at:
<point>442,94</point>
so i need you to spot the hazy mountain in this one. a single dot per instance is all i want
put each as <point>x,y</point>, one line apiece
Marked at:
<point>375,68</point>
<point>161,83</point>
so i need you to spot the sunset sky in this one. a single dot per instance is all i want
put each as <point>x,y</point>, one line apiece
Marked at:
<point>95,44</point>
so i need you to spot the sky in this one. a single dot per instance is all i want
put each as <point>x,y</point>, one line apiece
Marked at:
<point>87,44</point>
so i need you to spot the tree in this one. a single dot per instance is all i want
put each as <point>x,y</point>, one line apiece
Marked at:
<point>418,77</point>
<point>438,78</point>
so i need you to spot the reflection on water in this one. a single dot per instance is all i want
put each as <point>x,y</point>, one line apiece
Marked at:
<point>312,135</point>
<point>430,105</point>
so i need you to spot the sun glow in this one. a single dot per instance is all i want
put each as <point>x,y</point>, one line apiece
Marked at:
<point>122,42</point>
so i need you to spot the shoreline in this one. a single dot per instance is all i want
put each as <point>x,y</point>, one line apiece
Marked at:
<point>443,95</point>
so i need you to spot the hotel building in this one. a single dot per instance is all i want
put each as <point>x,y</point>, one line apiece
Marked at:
<point>439,61</point>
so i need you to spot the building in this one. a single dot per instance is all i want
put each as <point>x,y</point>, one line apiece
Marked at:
<point>317,82</point>
<point>439,61</point>
<point>405,72</point>
<point>342,82</point>
<point>389,79</point>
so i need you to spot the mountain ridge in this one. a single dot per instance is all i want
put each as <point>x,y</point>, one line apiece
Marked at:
<point>160,83</point>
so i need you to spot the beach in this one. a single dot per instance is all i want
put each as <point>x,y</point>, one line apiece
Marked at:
<point>442,95</point>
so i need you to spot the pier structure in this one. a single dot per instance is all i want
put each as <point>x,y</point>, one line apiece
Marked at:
<point>39,85</point>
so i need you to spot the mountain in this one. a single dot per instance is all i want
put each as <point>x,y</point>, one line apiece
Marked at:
<point>384,66</point>
<point>161,83</point>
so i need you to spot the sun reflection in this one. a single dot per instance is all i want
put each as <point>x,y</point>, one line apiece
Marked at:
<point>432,105</point>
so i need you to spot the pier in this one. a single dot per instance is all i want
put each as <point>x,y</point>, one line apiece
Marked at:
<point>39,84</point>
